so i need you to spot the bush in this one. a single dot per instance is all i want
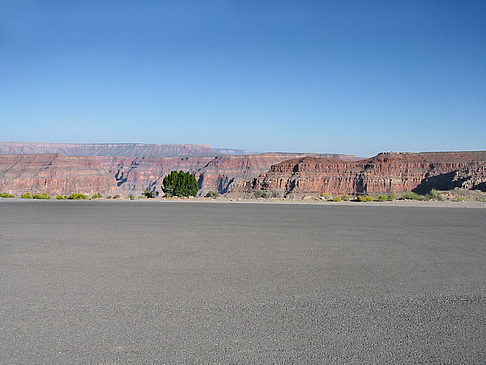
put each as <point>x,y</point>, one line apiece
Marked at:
<point>276,193</point>
<point>391,198</point>
<point>412,196</point>
<point>460,199</point>
<point>96,196</point>
<point>364,198</point>
<point>27,196</point>
<point>325,196</point>
<point>181,184</point>
<point>77,196</point>
<point>260,194</point>
<point>346,198</point>
<point>6,195</point>
<point>382,198</point>
<point>436,195</point>
<point>212,194</point>
<point>41,196</point>
<point>150,194</point>
<point>116,196</point>
<point>336,199</point>
<point>61,197</point>
<point>142,197</point>
<point>131,197</point>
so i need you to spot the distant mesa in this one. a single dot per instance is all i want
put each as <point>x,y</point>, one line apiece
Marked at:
<point>115,149</point>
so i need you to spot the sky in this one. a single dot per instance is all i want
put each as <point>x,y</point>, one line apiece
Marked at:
<point>356,77</point>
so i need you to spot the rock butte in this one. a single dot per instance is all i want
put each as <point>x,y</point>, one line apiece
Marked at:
<point>386,172</point>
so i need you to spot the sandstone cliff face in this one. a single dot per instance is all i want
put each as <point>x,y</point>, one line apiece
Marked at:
<point>52,174</point>
<point>386,172</point>
<point>56,174</point>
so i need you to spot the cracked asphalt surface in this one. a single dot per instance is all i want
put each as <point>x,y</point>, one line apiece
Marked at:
<point>150,282</point>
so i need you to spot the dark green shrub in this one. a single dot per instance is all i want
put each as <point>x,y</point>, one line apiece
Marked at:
<point>108,197</point>
<point>96,196</point>
<point>61,197</point>
<point>77,196</point>
<point>116,196</point>
<point>27,196</point>
<point>391,197</point>
<point>6,195</point>
<point>131,197</point>
<point>150,194</point>
<point>212,194</point>
<point>260,194</point>
<point>181,184</point>
<point>382,198</point>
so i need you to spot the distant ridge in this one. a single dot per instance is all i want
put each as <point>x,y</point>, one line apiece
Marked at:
<point>116,149</point>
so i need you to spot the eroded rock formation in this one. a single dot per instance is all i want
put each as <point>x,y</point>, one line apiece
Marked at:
<point>58,174</point>
<point>386,172</point>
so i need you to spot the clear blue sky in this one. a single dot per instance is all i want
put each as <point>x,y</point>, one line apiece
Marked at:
<point>356,77</point>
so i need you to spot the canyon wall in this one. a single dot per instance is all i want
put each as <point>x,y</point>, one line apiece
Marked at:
<point>57,174</point>
<point>386,172</point>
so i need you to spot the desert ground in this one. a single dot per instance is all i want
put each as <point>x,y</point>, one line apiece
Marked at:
<point>103,282</point>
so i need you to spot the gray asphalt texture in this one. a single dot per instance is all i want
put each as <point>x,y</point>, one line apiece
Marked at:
<point>142,282</point>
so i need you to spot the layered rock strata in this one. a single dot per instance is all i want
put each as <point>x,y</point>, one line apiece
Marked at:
<point>386,172</point>
<point>57,174</point>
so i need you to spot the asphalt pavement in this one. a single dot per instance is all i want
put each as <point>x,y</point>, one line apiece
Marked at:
<point>102,282</point>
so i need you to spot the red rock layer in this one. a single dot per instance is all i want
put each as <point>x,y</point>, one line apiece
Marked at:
<point>56,174</point>
<point>386,172</point>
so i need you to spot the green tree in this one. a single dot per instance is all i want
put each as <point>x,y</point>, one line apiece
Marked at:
<point>182,184</point>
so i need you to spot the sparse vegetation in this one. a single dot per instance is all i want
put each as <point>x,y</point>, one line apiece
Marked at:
<point>325,196</point>
<point>412,196</point>
<point>108,197</point>
<point>148,194</point>
<point>364,198</point>
<point>460,199</point>
<point>435,195</point>
<point>6,195</point>
<point>181,184</point>
<point>131,197</point>
<point>27,196</point>
<point>261,194</point>
<point>142,197</point>
<point>116,196</point>
<point>336,199</point>
<point>61,197</point>
<point>212,194</point>
<point>41,196</point>
<point>96,196</point>
<point>346,198</point>
<point>276,193</point>
<point>78,196</point>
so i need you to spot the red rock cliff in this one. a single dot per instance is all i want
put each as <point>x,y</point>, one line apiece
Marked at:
<point>386,172</point>
<point>57,174</point>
